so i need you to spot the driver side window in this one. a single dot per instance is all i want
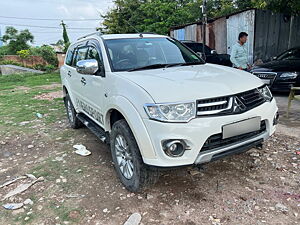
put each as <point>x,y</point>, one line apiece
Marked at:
<point>80,55</point>
<point>93,54</point>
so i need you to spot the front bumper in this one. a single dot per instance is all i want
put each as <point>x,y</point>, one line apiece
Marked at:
<point>197,131</point>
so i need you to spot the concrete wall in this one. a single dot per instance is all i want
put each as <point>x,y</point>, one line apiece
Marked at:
<point>12,69</point>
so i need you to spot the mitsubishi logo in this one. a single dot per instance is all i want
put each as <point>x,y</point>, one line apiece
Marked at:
<point>238,106</point>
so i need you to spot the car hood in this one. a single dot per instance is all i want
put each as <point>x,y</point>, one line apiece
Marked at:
<point>188,83</point>
<point>280,65</point>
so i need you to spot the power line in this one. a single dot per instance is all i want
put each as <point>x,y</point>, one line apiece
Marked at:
<point>51,32</point>
<point>28,18</point>
<point>48,27</point>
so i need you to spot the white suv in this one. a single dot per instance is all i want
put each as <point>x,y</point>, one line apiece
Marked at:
<point>159,105</point>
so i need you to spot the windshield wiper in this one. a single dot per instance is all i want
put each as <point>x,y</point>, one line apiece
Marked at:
<point>153,66</point>
<point>191,63</point>
<point>164,65</point>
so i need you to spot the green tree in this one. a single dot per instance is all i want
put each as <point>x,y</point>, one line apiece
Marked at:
<point>130,16</point>
<point>46,52</point>
<point>16,40</point>
<point>65,36</point>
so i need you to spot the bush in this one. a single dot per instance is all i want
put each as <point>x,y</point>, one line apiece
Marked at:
<point>39,67</point>
<point>3,51</point>
<point>23,53</point>
<point>9,62</point>
<point>49,68</point>
<point>47,53</point>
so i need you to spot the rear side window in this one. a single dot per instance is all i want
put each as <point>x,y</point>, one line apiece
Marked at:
<point>69,56</point>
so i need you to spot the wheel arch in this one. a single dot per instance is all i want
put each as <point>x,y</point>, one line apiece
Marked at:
<point>122,108</point>
<point>65,91</point>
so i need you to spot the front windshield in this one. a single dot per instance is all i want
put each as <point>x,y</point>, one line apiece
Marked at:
<point>133,53</point>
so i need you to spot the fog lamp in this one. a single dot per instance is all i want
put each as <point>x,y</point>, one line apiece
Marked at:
<point>174,148</point>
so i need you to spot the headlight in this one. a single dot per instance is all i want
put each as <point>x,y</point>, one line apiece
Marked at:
<point>266,93</point>
<point>169,112</point>
<point>290,75</point>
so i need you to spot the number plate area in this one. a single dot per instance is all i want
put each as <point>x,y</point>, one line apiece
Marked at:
<point>241,127</point>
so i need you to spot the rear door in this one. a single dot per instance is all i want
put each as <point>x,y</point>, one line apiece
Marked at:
<point>69,73</point>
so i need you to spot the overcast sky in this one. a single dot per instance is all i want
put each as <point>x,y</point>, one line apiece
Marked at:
<point>53,9</point>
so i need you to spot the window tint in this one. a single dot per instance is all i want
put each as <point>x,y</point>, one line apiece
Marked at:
<point>69,56</point>
<point>80,55</point>
<point>198,47</point>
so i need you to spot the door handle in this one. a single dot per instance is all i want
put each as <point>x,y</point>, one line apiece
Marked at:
<point>69,73</point>
<point>83,81</point>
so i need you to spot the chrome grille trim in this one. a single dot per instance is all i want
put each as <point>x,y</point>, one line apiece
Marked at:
<point>212,103</point>
<point>222,106</point>
<point>238,103</point>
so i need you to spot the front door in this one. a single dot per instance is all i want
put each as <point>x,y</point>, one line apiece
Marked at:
<point>91,86</point>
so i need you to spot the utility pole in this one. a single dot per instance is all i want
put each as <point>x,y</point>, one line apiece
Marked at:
<point>204,22</point>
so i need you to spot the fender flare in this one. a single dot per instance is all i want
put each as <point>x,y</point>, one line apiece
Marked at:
<point>135,122</point>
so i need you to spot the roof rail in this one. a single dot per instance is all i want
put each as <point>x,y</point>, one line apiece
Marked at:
<point>98,32</point>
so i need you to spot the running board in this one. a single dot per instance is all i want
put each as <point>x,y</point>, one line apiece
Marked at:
<point>95,128</point>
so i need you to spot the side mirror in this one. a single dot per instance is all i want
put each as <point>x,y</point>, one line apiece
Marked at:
<point>274,58</point>
<point>213,52</point>
<point>87,66</point>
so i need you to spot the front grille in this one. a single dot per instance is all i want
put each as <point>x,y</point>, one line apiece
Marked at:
<point>227,105</point>
<point>265,75</point>
<point>216,140</point>
<point>251,98</point>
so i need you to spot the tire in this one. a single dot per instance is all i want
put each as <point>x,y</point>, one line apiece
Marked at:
<point>75,123</point>
<point>142,175</point>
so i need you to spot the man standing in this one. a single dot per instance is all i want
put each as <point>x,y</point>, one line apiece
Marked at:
<point>239,55</point>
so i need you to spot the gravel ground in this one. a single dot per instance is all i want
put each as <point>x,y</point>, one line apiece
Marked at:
<point>261,186</point>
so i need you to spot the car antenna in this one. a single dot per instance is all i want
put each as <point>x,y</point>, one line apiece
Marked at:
<point>141,35</point>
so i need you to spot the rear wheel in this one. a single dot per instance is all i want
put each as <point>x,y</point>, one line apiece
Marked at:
<point>128,162</point>
<point>75,123</point>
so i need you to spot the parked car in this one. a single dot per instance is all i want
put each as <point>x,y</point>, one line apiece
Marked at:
<point>158,104</point>
<point>211,56</point>
<point>282,72</point>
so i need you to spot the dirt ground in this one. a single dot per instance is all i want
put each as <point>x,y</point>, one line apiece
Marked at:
<point>261,186</point>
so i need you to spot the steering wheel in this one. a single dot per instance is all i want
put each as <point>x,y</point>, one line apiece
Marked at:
<point>123,63</point>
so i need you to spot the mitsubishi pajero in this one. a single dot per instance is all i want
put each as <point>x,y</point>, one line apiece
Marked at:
<point>158,104</point>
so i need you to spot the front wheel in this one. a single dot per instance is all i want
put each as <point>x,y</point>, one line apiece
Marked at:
<point>75,123</point>
<point>130,168</point>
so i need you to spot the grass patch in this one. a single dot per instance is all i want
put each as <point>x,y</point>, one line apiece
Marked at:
<point>28,80</point>
<point>63,212</point>
<point>19,105</point>
<point>49,169</point>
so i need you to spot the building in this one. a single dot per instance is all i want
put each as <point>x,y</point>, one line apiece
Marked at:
<point>269,33</point>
